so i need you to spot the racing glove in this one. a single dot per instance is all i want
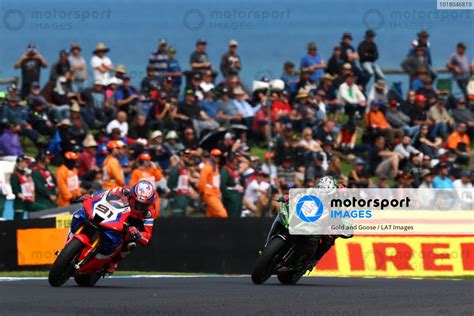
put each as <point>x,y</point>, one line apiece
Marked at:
<point>133,233</point>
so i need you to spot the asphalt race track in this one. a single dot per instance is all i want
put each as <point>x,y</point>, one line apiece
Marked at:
<point>238,296</point>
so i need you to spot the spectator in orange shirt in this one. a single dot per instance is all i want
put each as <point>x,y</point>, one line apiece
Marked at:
<point>113,172</point>
<point>376,120</point>
<point>147,170</point>
<point>459,142</point>
<point>68,180</point>
<point>209,186</point>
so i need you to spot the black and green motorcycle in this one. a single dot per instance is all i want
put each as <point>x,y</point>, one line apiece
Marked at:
<point>287,256</point>
<point>291,256</point>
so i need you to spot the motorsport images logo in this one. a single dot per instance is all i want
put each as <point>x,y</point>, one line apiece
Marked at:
<point>309,208</point>
<point>380,211</point>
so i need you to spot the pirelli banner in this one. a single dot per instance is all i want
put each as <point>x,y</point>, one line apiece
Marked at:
<point>399,256</point>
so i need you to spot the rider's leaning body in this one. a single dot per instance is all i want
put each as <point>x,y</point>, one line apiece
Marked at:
<point>318,246</point>
<point>141,199</point>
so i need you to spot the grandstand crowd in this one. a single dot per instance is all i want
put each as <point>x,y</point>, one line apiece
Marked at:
<point>218,147</point>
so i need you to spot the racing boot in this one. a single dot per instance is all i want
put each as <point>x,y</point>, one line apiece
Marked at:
<point>112,266</point>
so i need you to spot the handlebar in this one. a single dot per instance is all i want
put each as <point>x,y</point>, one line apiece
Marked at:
<point>283,199</point>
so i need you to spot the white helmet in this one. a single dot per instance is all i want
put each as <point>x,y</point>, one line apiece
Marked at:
<point>327,182</point>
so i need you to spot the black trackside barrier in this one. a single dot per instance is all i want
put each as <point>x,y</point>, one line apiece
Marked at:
<point>8,249</point>
<point>201,245</point>
<point>178,245</point>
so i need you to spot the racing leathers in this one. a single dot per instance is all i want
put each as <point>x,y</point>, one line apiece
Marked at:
<point>140,226</point>
<point>314,246</point>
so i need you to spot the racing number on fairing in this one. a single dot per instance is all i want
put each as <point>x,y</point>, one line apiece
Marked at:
<point>105,210</point>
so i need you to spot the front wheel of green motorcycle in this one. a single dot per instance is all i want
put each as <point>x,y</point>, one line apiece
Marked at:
<point>264,266</point>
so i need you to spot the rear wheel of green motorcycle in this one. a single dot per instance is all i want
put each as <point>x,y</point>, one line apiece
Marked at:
<point>87,279</point>
<point>289,277</point>
<point>63,266</point>
<point>265,263</point>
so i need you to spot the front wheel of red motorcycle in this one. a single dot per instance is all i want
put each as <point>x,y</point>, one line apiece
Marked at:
<point>63,266</point>
<point>87,280</point>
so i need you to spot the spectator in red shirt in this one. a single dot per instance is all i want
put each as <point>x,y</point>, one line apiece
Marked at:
<point>281,106</point>
<point>87,165</point>
<point>260,122</point>
<point>346,139</point>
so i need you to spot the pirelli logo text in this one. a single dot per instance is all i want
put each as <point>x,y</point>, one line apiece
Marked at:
<point>396,256</point>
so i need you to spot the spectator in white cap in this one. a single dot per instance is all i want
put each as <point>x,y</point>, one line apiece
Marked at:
<point>230,61</point>
<point>230,143</point>
<point>173,143</point>
<point>160,151</point>
<point>156,137</point>
<point>60,99</point>
<point>110,90</point>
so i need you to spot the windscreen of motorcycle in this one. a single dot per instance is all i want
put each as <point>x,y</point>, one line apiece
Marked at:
<point>110,207</point>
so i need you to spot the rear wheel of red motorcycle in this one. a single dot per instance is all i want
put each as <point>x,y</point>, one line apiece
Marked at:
<point>87,279</point>
<point>264,266</point>
<point>63,266</point>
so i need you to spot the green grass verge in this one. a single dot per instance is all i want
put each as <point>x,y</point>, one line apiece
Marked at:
<point>39,274</point>
<point>259,152</point>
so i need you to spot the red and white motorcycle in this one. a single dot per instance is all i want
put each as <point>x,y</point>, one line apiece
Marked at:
<point>102,216</point>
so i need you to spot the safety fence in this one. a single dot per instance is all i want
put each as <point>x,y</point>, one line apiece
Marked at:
<point>178,245</point>
<point>232,246</point>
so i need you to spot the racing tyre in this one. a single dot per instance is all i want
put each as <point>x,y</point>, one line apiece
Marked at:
<point>289,277</point>
<point>63,266</point>
<point>266,262</point>
<point>87,279</point>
